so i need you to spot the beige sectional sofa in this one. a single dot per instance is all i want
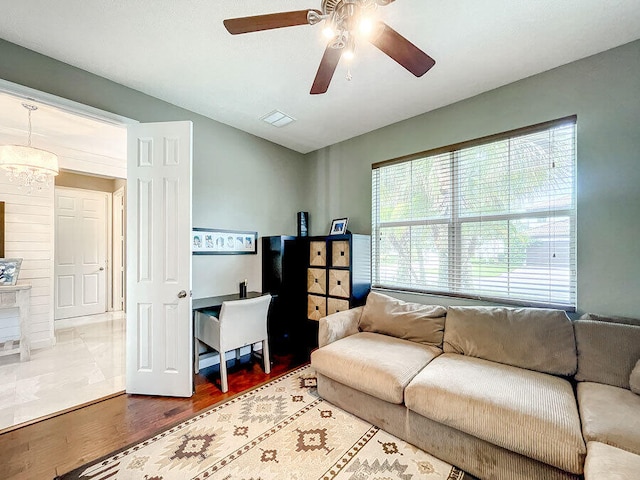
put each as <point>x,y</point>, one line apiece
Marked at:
<point>608,353</point>
<point>489,389</point>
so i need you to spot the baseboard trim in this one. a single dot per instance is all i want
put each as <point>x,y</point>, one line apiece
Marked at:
<point>46,343</point>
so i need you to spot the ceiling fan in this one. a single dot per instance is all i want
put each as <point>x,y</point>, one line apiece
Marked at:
<point>345,20</point>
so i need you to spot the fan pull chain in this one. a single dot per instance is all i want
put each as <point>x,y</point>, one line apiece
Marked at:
<point>349,76</point>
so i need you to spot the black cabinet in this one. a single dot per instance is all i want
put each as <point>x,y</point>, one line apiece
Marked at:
<point>283,278</point>
<point>310,278</point>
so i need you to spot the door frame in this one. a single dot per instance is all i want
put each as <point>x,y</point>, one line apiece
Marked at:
<point>65,104</point>
<point>89,112</point>
<point>76,108</point>
<point>119,258</point>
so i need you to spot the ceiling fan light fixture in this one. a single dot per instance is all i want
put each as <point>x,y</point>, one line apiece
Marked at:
<point>350,49</point>
<point>330,29</point>
<point>345,21</point>
<point>365,26</point>
<point>314,17</point>
<point>328,32</point>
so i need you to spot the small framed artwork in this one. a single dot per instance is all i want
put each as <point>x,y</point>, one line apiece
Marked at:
<point>9,270</point>
<point>213,241</point>
<point>339,226</point>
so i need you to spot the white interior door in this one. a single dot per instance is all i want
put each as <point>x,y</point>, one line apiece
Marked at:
<point>80,252</point>
<point>159,320</point>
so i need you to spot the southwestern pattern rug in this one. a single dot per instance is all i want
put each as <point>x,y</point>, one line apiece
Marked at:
<point>281,430</point>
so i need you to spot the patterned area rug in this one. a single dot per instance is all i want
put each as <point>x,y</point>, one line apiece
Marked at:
<point>281,430</point>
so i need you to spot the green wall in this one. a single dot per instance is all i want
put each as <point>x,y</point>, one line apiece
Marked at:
<point>243,182</point>
<point>604,92</point>
<point>240,181</point>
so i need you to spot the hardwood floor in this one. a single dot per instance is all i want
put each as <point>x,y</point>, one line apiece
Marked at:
<point>58,445</point>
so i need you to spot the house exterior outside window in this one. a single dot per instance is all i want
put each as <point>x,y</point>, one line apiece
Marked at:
<point>492,219</point>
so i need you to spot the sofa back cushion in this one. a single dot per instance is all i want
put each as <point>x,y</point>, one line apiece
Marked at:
<point>607,351</point>
<point>410,321</point>
<point>533,338</point>
<point>611,319</point>
<point>634,379</point>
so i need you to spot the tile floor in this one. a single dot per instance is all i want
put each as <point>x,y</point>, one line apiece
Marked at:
<point>87,363</point>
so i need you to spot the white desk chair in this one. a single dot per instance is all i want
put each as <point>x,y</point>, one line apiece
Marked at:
<point>240,323</point>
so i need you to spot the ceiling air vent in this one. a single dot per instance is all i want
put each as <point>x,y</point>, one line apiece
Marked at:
<point>278,119</point>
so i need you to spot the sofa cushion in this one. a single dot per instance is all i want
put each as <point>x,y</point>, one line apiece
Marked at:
<point>526,412</point>
<point>634,379</point>
<point>607,351</point>
<point>533,338</point>
<point>410,321</point>
<point>610,415</point>
<point>338,325</point>
<point>611,319</point>
<point>375,364</point>
<point>605,462</point>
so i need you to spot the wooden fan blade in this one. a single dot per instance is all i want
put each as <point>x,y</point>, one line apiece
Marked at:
<point>267,22</point>
<point>402,50</point>
<point>326,69</point>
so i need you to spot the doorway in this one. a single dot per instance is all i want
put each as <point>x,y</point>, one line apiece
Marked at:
<point>175,140</point>
<point>75,360</point>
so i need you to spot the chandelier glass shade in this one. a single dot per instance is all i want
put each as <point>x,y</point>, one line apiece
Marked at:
<point>28,166</point>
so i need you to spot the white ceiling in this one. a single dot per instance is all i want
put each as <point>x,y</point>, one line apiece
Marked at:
<point>179,51</point>
<point>82,144</point>
<point>57,128</point>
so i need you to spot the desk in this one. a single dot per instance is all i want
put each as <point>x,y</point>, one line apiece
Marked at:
<point>216,302</point>
<point>18,296</point>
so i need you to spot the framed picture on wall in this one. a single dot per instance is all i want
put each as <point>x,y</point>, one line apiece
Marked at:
<point>213,241</point>
<point>339,226</point>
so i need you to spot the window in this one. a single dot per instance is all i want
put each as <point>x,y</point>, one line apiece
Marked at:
<point>492,219</point>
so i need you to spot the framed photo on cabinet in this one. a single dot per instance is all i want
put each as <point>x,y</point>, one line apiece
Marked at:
<point>339,226</point>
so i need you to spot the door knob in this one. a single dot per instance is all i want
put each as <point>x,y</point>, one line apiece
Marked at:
<point>182,294</point>
<point>101,268</point>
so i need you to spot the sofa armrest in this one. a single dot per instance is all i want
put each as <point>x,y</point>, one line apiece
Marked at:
<point>338,325</point>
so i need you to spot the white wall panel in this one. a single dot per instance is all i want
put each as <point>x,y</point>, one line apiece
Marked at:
<point>29,235</point>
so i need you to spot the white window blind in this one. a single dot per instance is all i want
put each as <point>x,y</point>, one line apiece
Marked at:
<point>493,219</point>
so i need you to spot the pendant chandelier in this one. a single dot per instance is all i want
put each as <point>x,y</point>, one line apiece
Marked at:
<point>28,166</point>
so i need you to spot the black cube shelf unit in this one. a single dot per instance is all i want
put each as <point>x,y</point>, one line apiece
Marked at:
<point>338,273</point>
<point>310,278</point>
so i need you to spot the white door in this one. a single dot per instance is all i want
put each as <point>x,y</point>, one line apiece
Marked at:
<point>159,326</point>
<point>80,252</point>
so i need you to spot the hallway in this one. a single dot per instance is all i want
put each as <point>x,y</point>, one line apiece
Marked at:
<point>87,363</point>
